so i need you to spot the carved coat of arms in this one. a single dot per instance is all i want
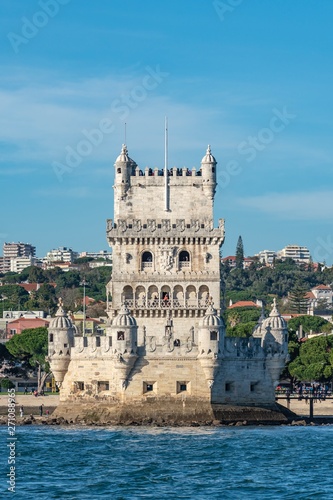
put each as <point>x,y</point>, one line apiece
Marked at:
<point>180,224</point>
<point>122,225</point>
<point>195,224</point>
<point>167,258</point>
<point>151,224</point>
<point>166,226</point>
<point>137,224</point>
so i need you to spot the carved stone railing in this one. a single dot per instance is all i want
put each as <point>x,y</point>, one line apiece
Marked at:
<point>166,304</point>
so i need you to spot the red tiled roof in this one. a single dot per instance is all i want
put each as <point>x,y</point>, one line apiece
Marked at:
<point>230,257</point>
<point>32,287</point>
<point>309,295</point>
<point>243,303</point>
<point>322,287</point>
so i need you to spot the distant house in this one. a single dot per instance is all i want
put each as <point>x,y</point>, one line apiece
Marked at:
<point>20,324</point>
<point>244,303</point>
<point>320,302</point>
<point>231,260</point>
<point>33,287</point>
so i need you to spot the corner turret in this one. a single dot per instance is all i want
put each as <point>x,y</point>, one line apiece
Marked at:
<point>208,170</point>
<point>124,168</point>
<point>210,343</point>
<point>61,339</point>
<point>273,332</point>
<point>124,340</point>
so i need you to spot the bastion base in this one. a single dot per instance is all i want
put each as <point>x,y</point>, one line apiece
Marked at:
<point>169,414</point>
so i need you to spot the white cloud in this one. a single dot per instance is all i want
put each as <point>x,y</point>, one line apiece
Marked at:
<point>316,205</point>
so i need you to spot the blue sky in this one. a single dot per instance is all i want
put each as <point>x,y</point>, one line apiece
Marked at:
<point>252,78</point>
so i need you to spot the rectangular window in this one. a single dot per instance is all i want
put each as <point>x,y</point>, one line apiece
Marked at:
<point>80,386</point>
<point>183,386</point>
<point>65,345</point>
<point>110,341</point>
<point>98,341</point>
<point>228,387</point>
<point>85,342</point>
<point>149,387</point>
<point>213,335</point>
<point>253,386</point>
<point>103,385</point>
<point>51,337</point>
<point>120,335</point>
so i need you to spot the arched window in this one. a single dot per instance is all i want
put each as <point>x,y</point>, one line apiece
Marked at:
<point>147,260</point>
<point>184,259</point>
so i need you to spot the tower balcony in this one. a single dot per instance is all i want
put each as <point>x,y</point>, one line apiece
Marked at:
<point>167,304</point>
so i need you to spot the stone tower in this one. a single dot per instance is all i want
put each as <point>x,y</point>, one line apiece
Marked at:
<point>164,356</point>
<point>166,251</point>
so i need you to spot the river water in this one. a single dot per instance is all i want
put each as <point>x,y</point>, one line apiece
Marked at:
<point>169,463</point>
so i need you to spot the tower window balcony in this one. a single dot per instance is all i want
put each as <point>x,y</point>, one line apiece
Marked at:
<point>146,261</point>
<point>184,259</point>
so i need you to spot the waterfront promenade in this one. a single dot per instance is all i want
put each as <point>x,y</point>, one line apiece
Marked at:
<point>321,407</point>
<point>30,404</point>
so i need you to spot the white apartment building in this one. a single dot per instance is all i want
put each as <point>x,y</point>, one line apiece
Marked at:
<point>61,254</point>
<point>266,256</point>
<point>102,254</point>
<point>15,250</point>
<point>19,263</point>
<point>298,253</point>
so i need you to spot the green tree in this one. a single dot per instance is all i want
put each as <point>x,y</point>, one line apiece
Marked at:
<point>314,323</point>
<point>43,299</point>
<point>314,361</point>
<point>33,274</point>
<point>5,383</point>
<point>30,347</point>
<point>241,329</point>
<point>239,253</point>
<point>297,299</point>
<point>13,297</point>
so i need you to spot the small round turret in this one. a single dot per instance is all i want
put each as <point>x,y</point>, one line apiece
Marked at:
<point>124,341</point>
<point>208,170</point>
<point>273,331</point>
<point>125,167</point>
<point>210,343</point>
<point>61,339</point>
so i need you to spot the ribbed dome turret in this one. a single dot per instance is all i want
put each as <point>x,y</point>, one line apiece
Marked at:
<point>211,318</point>
<point>123,157</point>
<point>274,320</point>
<point>208,158</point>
<point>61,320</point>
<point>124,318</point>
